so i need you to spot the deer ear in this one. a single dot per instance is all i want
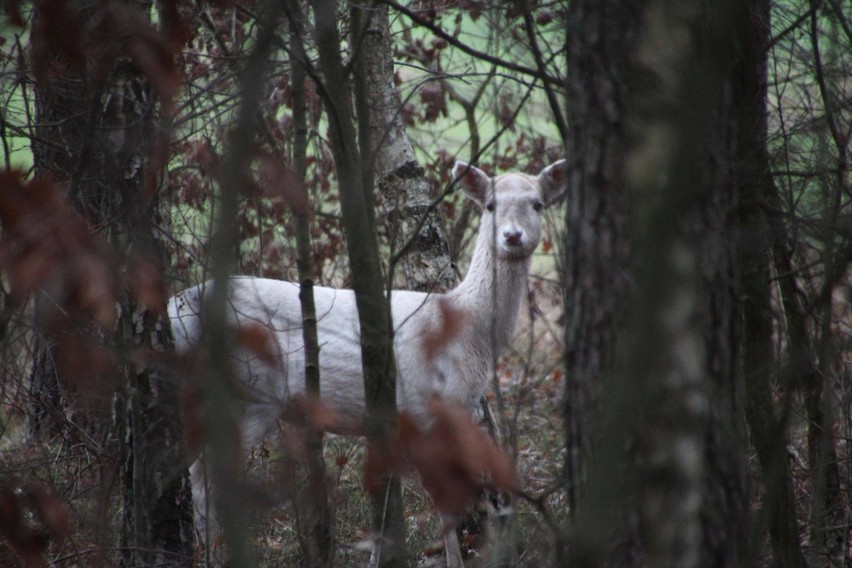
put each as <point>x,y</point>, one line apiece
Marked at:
<point>473,181</point>
<point>553,181</point>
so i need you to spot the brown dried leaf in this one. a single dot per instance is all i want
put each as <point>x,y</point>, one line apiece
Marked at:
<point>11,513</point>
<point>454,458</point>
<point>327,418</point>
<point>45,241</point>
<point>176,29</point>
<point>31,214</point>
<point>27,272</point>
<point>258,339</point>
<point>12,198</point>
<point>12,9</point>
<point>294,444</point>
<point>309,410</point>
<point>194,428</point>
<point>506,115</point>
<point>380,462</point>
<point>453,321</point>
<point>544,18</point>
<point>451,478</point>
<point>93,282</point>
<point>434,98</point>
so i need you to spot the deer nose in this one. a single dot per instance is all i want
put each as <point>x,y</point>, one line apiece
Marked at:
<point>513,238</point>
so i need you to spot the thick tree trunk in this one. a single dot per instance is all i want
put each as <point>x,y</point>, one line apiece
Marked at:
<point>96,138</point>
<point>667,449</point>
<point>601,37</point>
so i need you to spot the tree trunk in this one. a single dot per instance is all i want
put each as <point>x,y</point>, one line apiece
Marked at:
<point>413,222</point>
<point>373,310</point>
<point>828,534</point>
<point>667,449</point>
<point>767,429</point>
<point>223,448</point>
<point>100,137</point>
<point>596,211</point>
<point>829,528</point>
<point>320,549</point>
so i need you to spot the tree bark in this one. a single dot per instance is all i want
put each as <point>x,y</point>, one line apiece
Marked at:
<point>413,223</point>
<point>665,446</point>
<point>96,137</point>
<point>601,35</point>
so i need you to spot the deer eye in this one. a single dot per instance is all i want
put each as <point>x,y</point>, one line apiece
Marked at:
<point>490,206</point>
<point>538,205</point>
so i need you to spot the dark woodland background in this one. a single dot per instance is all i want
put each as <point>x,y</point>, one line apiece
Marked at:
<point>678,392</point>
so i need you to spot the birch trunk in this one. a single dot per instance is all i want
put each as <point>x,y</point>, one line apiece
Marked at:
<point>403,192</point>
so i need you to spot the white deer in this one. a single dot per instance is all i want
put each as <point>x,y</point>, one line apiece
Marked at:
<point>488,300</point>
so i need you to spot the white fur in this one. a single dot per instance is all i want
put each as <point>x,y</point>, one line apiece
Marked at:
<point>488,300</point>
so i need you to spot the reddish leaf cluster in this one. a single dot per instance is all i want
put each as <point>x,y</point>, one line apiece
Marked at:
<point>122,30</point>
<point>454,458</point>
<point>259,340</point>
<point>56,40</point>
<point>433,95</point>
<point>46,243</point>
<point>29,519</point>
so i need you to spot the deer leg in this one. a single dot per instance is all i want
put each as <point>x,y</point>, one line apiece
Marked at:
<point>451,542</point>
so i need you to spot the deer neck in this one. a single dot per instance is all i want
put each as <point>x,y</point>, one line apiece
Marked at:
<point>491,293</point>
